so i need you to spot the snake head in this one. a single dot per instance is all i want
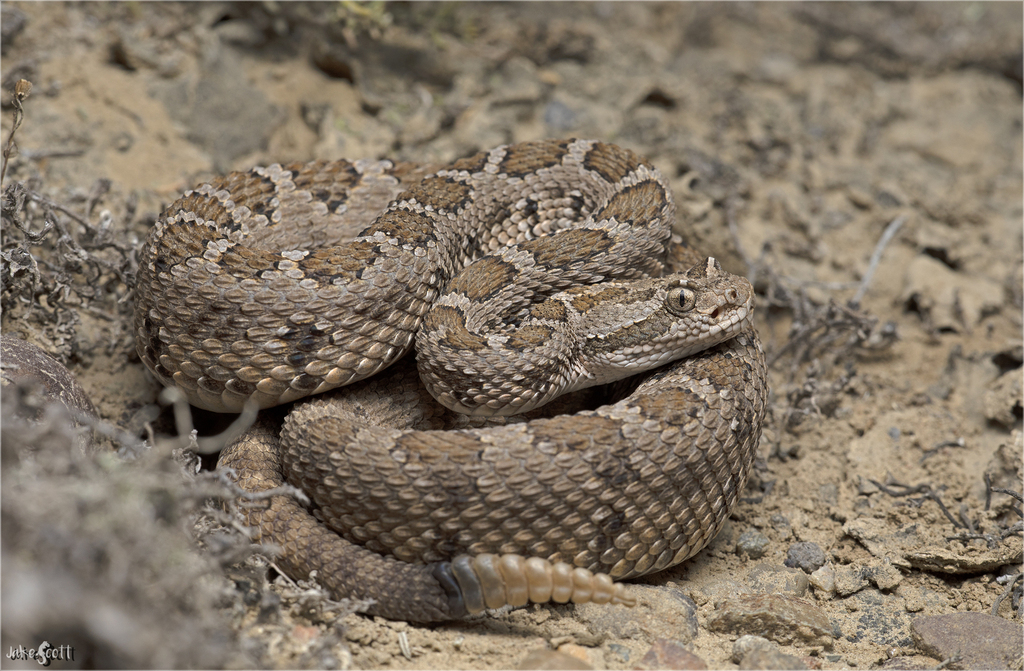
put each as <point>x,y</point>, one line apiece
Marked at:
<point>717,296</point>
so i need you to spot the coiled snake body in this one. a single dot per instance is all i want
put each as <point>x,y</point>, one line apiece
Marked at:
<point>520,273</point>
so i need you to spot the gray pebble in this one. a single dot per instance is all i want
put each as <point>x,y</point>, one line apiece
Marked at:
<point>752,543</point>
<point>824,580</point>
<point>806,556</point>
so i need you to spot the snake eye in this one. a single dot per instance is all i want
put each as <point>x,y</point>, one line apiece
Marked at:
<point>681,299</point>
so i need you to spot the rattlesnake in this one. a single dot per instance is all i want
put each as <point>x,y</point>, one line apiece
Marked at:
<point>247,291</point>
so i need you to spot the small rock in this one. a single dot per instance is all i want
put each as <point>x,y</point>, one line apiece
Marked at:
<point>877,617</point>
<point>783,619</point>
<point>772,579</point>
<point>982,641</point>
<point>744,645</point>
<point>549,659</point>
<point>717,178</point>
<point>850,579</point>
<point>754,544</point>
<point>884,575</point>
<point>824,579</point>
<point>667,654</point>
<point>860,197</point>
<point>771,659</point>
<point>808,557</point>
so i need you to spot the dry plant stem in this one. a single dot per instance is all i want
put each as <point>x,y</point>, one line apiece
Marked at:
<point>925,489</point>
<point>999,490</point>
<point>22,90</point>
<point>230,491</point>
<point>876,257</point>
<point>1013,588</point>
<point>36,154</point>
<point>831,322</point>
<point>213,444</point>
<point>1010,492</point>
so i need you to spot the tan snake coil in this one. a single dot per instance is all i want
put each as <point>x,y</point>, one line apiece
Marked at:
<point>246,289</point>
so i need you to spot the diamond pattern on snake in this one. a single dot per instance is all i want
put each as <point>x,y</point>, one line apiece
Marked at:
<point>607,384</point>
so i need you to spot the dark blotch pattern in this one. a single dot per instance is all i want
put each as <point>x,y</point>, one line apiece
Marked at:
<point>611,162</point>
<point>523,159</point>
<point>489,276</point>
<point>639,204</point>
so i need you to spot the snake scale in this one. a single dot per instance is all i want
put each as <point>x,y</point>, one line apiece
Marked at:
<point>520,273</point>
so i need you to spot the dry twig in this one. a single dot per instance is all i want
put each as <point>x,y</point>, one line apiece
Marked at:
<point>22,90</point>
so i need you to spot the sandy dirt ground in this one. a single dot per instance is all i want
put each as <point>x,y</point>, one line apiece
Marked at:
<point>862,164</point>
